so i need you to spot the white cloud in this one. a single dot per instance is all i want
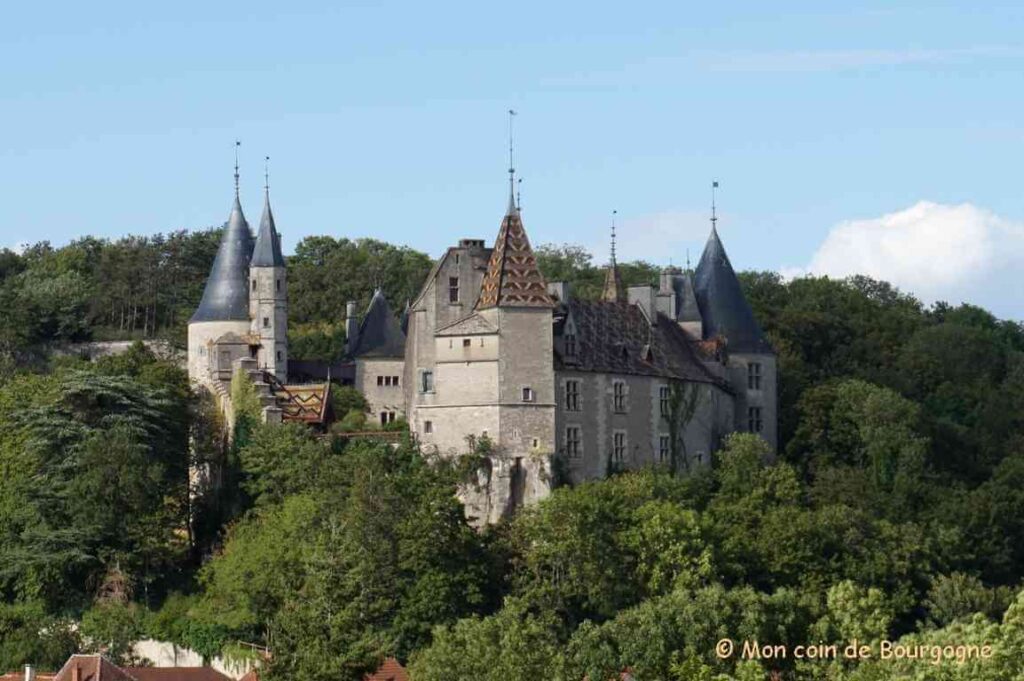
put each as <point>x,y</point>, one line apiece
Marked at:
<point>935,251</point>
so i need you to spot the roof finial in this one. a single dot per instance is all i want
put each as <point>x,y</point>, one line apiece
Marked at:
<point>714,216</point>
<point>519,195</point>
<point>266,174</point>
<point>614,213</point>
<point>238,143</point>
<point>511,165</point>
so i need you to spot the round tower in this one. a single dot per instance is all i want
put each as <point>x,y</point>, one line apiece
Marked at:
<point>223,312</point>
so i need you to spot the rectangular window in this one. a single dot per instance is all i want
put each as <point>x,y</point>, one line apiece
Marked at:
<point>253,284</point>
<point>572,441</point>
<point>427,382</point>
<point>387,417</point>
<point>453,289</point>
<point>278,355</point>
<point>394,381</point>
<point>266,322</point>
<point>664,448</point>
<point>277,284</point>
<point>570,345</point>
<point>428,427</point>
<point>619,446</point>
<point>753,376</point>
<point>466,342</point>
<point>528,394</point>
<point>380,380</point>
<point>663,400</point>
<point>572,395</point>
<point>754,422</point>
<point>619,396</point>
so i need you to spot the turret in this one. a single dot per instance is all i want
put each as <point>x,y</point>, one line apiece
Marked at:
<point>224,308</point>
<point>268,296</point>
<point>750,361</point>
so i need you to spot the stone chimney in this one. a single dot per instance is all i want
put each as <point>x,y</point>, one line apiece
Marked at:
<point>666,294</point>
<point>646,297</point>
<point>351,327</point>
<point>561,290</point>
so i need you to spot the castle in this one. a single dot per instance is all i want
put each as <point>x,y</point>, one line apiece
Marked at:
<point>560,389</point>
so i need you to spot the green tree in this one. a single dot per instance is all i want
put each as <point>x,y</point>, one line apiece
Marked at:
<point>393,558</point>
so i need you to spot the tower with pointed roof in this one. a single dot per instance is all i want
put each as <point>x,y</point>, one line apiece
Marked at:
<point>218,330</point>
<point>728,322</point>
<point>478,365</point>
<point>377,348</point>
<point>268,295</point>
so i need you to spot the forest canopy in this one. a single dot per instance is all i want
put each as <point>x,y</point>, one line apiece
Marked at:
<point>895,509</point>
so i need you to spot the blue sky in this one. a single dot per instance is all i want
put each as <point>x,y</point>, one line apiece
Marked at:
<point>868,138</point>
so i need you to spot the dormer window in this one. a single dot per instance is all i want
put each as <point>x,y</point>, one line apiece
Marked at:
<point>570,345</point>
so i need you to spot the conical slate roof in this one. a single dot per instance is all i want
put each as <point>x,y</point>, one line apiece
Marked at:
<point>512,278</point>
<point>722,304</point>
<point>267,252</point>
<point>226,296</point>
<point>687,309</point>
<point>380,333</point>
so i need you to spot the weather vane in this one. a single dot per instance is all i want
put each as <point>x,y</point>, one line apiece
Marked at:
<point>238,143</point>
<point>511,165</point>
<point>714,216</point>
<point>614,213</point>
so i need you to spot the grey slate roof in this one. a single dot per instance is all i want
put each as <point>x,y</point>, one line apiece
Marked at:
<point>722,304</point>
<point>616,338</point>
<point>226,296</point>
<point>380,333</point>
<point>687,309</point>
<point>267,252</point>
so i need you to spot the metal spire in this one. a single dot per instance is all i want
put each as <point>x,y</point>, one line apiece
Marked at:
<point>614,213</point>
<point>237,144</point>
<point>511,166</point>
<point>519,195</point>
<point>714,216</point>
<point>266,174</point>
